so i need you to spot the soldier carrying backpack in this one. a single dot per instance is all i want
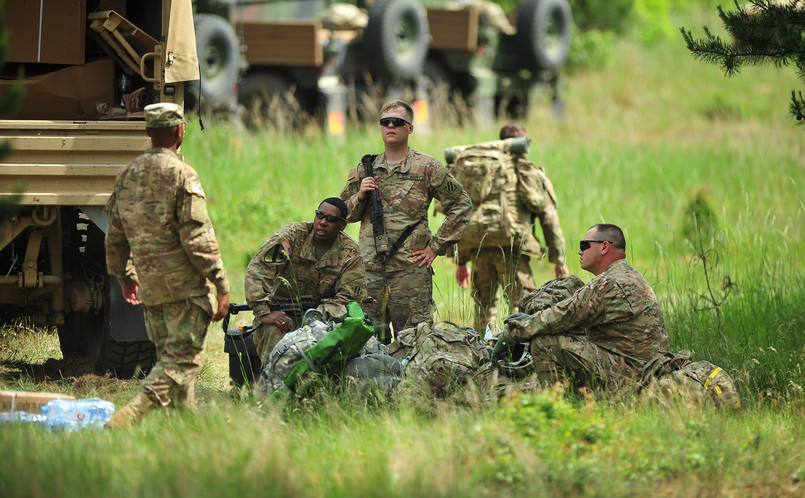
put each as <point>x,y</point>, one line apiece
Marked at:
<point>509,194</point>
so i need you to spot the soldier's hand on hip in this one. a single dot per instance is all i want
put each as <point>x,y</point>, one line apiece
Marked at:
<point>368,184</point>
<point>280,319</point>
<point>223,307</point>
<point>424,257</point>
<point>462,276</point>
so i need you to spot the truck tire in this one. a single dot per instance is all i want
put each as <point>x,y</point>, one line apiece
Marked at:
<point>87,334</point>
<point>219,60</point>
<point>396,39</point>
<point>543,28</point>
<point>124,349</point>
<point>125,359</point>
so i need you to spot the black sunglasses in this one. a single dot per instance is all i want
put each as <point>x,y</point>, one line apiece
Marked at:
<point>331,218</point>
<point>397,122</point>
<point>585,244</point>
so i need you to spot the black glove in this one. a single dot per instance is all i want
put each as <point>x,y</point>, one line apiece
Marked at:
<point>515,317</point>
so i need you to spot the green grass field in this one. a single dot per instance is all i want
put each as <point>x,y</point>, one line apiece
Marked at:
<point>640,139</point>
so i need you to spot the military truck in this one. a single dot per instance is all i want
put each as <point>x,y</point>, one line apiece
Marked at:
<point>320,57</point>
<point>89,66</point>
<point>498,60</point>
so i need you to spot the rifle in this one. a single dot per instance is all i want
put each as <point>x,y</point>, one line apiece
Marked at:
<point>381,243</point>
<point>294,308</point>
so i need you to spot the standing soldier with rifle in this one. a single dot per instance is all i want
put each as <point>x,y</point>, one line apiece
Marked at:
<point>303,264</point>
<point>390,195</point>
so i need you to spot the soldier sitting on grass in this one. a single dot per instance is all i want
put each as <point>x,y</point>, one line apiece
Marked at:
<point>314,260</point>
<point>605,332</point>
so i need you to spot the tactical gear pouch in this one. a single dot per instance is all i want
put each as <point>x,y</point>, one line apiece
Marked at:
<point>442,356</point>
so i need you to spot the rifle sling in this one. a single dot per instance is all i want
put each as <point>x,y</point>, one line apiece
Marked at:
<point>400,241</point>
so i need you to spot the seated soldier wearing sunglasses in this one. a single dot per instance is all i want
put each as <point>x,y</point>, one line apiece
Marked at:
<point>406,181</point>
<point>304,261</point>
<point>605,332</point>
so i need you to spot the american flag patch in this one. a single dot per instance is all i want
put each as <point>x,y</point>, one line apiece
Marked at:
<point>197,190</point>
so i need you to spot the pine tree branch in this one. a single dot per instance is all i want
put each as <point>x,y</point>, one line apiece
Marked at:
<point>762,33</point>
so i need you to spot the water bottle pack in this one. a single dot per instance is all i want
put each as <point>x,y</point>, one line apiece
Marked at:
<point>73,414</point>
<point>65,414</point>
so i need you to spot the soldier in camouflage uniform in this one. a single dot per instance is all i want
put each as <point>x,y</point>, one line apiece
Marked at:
<point>605,332</point>
<point>314,260</point>
<point>505,261</point>
<point>406,181</point>
<point>161,247</point>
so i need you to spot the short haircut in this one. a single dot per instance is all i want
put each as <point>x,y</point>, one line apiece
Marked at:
<point>336,202</point>
<point>612,233</point>
<point>162,134</point>
<point>399,103</point>
<point>512,130</point>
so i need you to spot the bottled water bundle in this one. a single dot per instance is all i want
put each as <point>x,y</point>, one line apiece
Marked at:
<point>73,414</point>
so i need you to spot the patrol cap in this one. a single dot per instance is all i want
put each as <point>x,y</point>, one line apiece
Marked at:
<point>163,115</point>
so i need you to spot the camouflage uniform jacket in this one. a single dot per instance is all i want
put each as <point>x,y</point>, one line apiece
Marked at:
<point>406,190</point>
<point>526,194</point>
<point>617,310</point>
<point>286,268</point>
<point>159,232</point>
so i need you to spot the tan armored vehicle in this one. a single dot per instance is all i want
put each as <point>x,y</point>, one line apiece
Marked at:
<point>90,66</point>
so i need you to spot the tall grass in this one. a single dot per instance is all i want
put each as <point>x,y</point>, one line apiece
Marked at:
<point>639,140</point>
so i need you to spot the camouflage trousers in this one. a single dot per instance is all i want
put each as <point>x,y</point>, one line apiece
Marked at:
<point>410,301</point>
<point>178,330</point>
<point>265,337</point>
<point>561,356</point>
<point>494,268</point>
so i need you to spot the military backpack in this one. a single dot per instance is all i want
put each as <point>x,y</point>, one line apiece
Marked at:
<point>489,176</point>
<point>440,356</point>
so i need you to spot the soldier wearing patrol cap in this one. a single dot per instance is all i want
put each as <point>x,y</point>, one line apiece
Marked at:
<point>406,181</point>
<point>161,247</point>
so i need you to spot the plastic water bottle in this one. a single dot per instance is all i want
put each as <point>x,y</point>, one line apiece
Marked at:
<point>73,414</point>
<point>19,416</point>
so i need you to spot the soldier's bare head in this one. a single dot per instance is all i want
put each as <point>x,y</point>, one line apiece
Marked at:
<point>336,202</point>
<point>330,220</point>
<point>612,233</point>
<point>406,108</point>
<point>512,130</point>
<point>396,125</point>
<point>603,244</point>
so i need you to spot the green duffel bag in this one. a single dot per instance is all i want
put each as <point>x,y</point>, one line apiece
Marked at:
<point>314,348</point>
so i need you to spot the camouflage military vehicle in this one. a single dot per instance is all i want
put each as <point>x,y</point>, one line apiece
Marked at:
<point>90,67</point>
<point>319,55</point>
<point>498,60</point>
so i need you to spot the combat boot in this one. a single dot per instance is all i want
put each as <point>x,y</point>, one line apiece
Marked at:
<point>132,413</point>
